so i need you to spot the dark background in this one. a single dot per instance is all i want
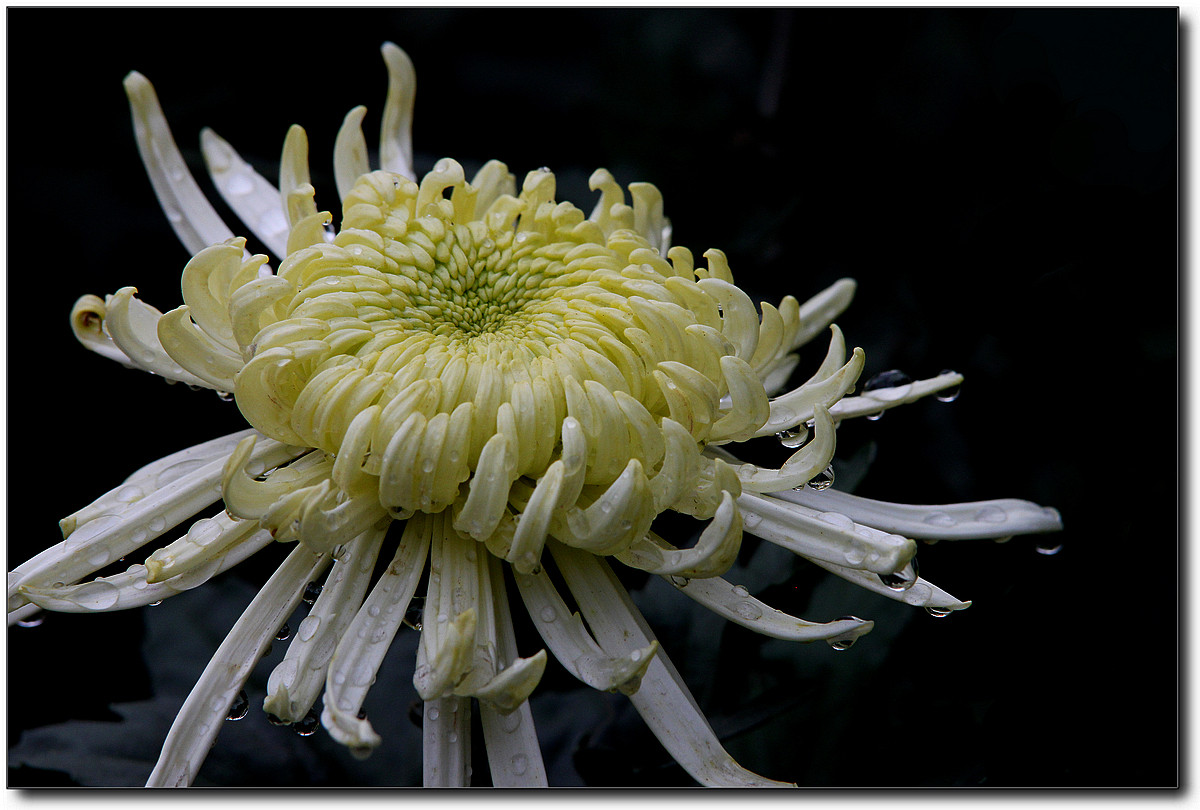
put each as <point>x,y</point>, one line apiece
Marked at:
<point>1003,185</point>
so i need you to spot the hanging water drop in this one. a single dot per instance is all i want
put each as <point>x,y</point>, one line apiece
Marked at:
<point>793,437</point>
<point>311,591</point>
<point>276,721</point>
<point>938,613</point>
<point>679,582</point>
<point>308,726</point>
<point>887,379</point>
<point>283,633</point>
<point>903,579</point>
<point>240,706</point>
<point>949,394</point>
<point>822,481</point>
<point>842,643</point>
<point>33,621</point>
<point>225,396</point>
<point>1048,550</point>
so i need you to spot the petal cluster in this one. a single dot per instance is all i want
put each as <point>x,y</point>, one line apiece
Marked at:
<point>464,385</point>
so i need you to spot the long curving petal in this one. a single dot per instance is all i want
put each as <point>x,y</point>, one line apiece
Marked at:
<point>255,201</point>
<point>191,215</point>
<point>957,521</point>
<point>663,700</point>
<point>198,722</point>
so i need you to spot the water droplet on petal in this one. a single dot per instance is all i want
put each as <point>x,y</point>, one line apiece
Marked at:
<point>308,726</point>
<point>239,707</point>
<point>308,627</point>
<point>793,438</point>
<point>887,379</point>
<point>903,579</point>
<point>548,614</point>
<point>520,764</point>
<point>433,713</point>
<point>679,582</point>
<point>949,394</point>
<point>991,514</point>
<point>939,519</point>
<point>740,590</point>
<point>822,481</point>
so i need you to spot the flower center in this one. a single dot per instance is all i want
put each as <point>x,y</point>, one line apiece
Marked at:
<point>455,340</point>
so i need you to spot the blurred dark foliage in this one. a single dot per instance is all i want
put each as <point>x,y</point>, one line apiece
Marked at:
<point>1002,183</point>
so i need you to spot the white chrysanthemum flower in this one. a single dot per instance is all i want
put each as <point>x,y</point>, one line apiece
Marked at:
<point>512,382</point>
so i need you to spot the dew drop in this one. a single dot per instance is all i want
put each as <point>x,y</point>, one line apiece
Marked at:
<point>240,706</point>
<point>679,582</point>
<point>991,514</point>
<point>1049,550</point>
<point>549,614</point>
<point>823,480</point>
<point>158,524</point>
<point>284,633</point>
<point>871,417</point>
<point>887,379</point>
<point>949,394</point>
<point>32,622</point>
<point>204,532</point>
<point>311,591</point>
<point>100,557</point>
<point>750,520</point>
<point>433,713</point>
<point>520,764</point>
<point>100,595</point>
<point>748,611</point>
<point>939,519</point>
<point>308,627</point>
<point>156,604</point>
<point>225,396</point>
<point>903,579</point>
<point>842,643</point>
<point>308,726</point>
<point>793,438</point>
<point>510,722</point>
<point>938,613</point>
<point>129,493</point>
<point>740,590</point>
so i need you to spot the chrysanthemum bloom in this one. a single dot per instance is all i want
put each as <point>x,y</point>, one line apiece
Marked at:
<point>464,379</point>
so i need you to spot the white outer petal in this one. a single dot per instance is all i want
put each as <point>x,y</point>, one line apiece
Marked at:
<point>957,521</point>
<point>193,218</point>
<point>199,721</point>
<point>663,700</point>
<point>255,201</point>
